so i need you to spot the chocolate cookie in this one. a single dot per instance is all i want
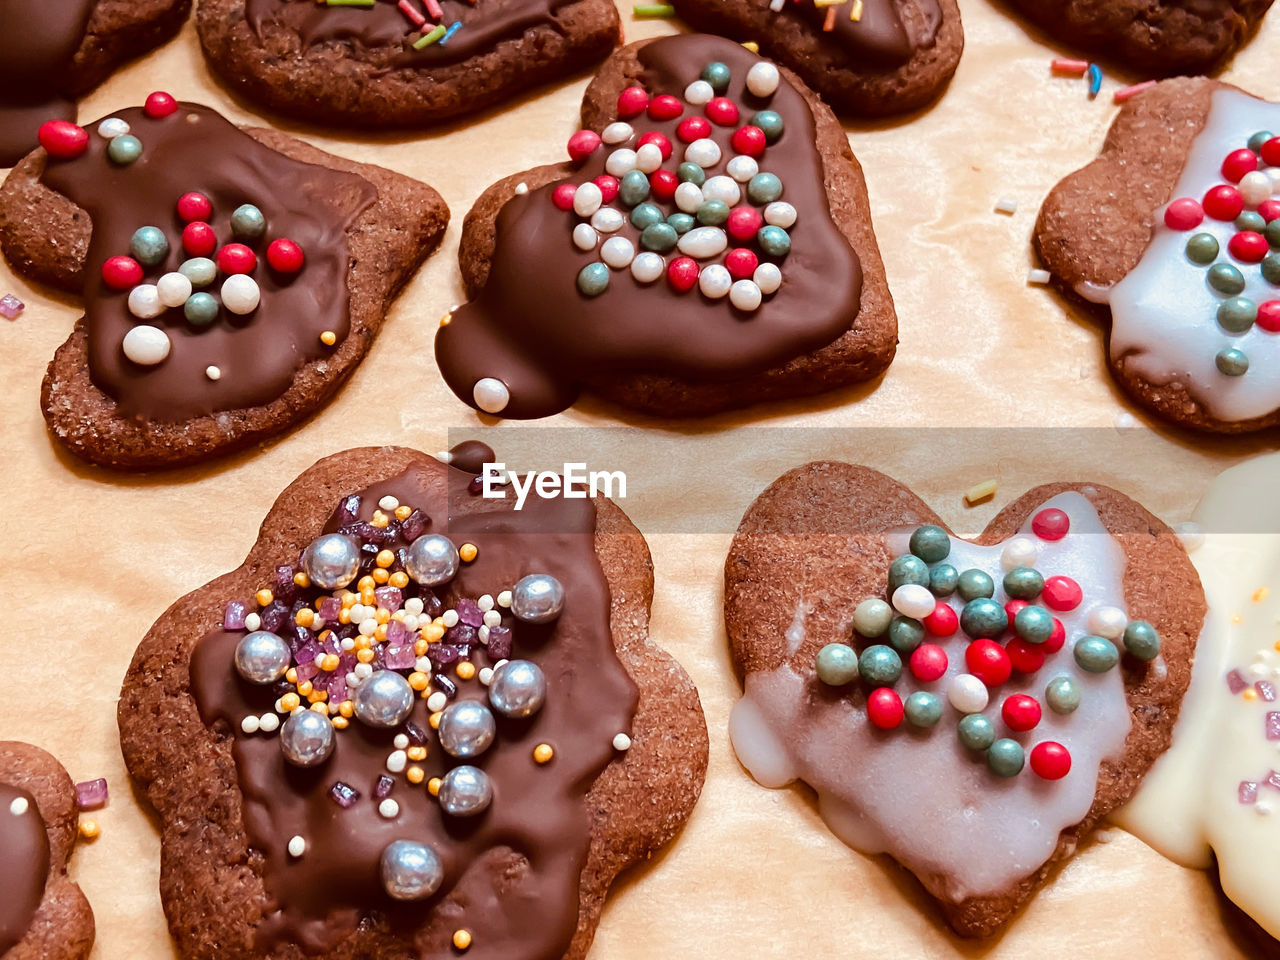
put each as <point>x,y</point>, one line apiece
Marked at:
<point>583,274</point>
<point>232,278</point>
<point>1157,37</point>
<point>972,709</point>
<point>43,914</point>
<point>1175,230</point>
<point>384,63</point>
<point>51,53</point>
<point>868,58</point>
<point>492,737</point>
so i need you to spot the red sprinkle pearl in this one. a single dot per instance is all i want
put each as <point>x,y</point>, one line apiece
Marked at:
<point>943,622</point>
<point>1271,152</point>
<point>608,187</point>
<point>659,140</point>
<point>1011,608</point>
<point>1269,316</point>
<point>284,255</point>
<point>663,183</point>
<point>1050,760</point>
<point>1183,214</point>
<point>1057,638</point>
<point>582,144</point>
<point>1248,246</point>
<point>121,273</point>
<point>1020,712</point>
<point>723,111</point>
<point>1223,202</point>
<point>1270,210</point>
<point>236,258</point>
<point>1025,657</point>
<point>631,102</point>
<point>1053,524</point>
<point>63,139</point>
<point>682,273</point>
<point>693,128</point>
<point>884,708</point>
<point>744,222</point>
<point>928,662</point>
<point>562,196</point>
<point>159,104</point>
<point>749,140</point>
<point>194,206</point>
<point>741,264</point>
<point>198,238</point>
<point>1061,593</point>
<point>665,107</point>
<point>1238,163</point>
<point>988,661</point>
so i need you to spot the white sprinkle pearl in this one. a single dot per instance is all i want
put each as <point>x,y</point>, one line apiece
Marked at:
<point>269,723</point>
<point>521,189</point>
<point>619,162</point>
<point>388,503</point>
<point>617,252</point>
<point>648,158</point>
<point>699,92</point>
<point>113,127</point>
<point>492,618</point>
<point>1018,552</point>
<point>762,79</point>
<point>714,281</point>
<point>19,806</point>
<point>144,301</point>
<point>587,199</point>
<point>780,214</point>
<point>621,742</point>
<point>646,268</point>
<point>396,760</point>
<point>485,675</point>
<point>491,395</point>
<point>364,670</point>
<point>745,295</point>
<point>240,294</point>
<point>401,742</point>
<point>504,598</point>
<point>722,188</point>
<point>485,602</point>
<point>450,618</point>
<point>688,197</point>
<point>617,132</point>
<point>252,622</point>
<point>250,724</point>
<point>212,372</point>
<point>703,242</point>
<point>967,693</point>
<point>742,168</point>
<point>483,633</point>
<point>437,702</point>
<point>584,237</point>
<point>704,152</point>
<point>913,600</point>
<point>389,808</point>
<point>1255,187</point>
<point>173,289</point>
<point>146,345</point>
<point>1108,622</point>
<point>297,846</point>
<point>608,219</point>
<point>768,278</point>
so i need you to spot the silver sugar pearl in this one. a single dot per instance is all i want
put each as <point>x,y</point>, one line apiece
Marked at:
<point>331,561</point>
<point>307,738</point>
<point>410,870</point>
<point>537,598</point>
<point>385,699</point>
<point>465,791</point>
<point>432,560</point>
<point>466,729</point>
<point>518,689</point>
<point>262,657</point>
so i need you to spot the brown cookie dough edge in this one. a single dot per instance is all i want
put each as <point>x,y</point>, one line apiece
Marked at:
<point>62,928</point>
<point>119,30</point>
<point>211,881</point>
<point>769,569</point>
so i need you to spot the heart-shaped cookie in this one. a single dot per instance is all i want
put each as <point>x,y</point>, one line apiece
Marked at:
<point>710,246</point>
<point>972,709</point>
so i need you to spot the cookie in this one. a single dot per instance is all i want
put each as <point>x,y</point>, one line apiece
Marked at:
<point>465,804</point>
<point>405,64</point>
<point>707,248</point>
<point>1160,38</point>
<point>52,53</point>
<point>43,914</point>
<point>868,58</point>
<point>999,696</point>
<point>1174,229</point>
<point>232,279</point>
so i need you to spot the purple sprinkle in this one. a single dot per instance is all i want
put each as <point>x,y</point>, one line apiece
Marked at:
<point>306,670</point>
<point>286,589</point>
<point>91,794</point>
<point>382,789</point>
<point>399,657</point>
<point>330,607</point>
<point>475,486</point>
<point>11,306</point>
<point>396,632</point>
<point>389,597</point>
<point>414,525</point>
<point>443,654</point>
<point>349,509</point>
<point>463,635</point>
<point>307,653</point>
<point>417,736</point>
<point>1247,792</point>
<point>344,795</point>
<point>274,616</point>
<point>1266,690</point>
<point>338,689</point>
<point>1273,726</point>
<point>431,605</point>
<point>1235,682</point>
<point>233,616</point>
<point>1273,780</point>
<point>445,685</point>
<point>499,643</point>
<point>469,612</point>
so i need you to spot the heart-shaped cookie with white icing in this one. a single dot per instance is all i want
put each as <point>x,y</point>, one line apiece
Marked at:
<point>970,708</point>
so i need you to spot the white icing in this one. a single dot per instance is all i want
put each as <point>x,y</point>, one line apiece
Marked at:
<point>1164,313</point>
<point>1189,801</point>
<point>920,795</point>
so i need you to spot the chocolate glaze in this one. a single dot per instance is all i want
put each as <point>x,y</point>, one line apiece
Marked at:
<point>531,328</point>
<point>383,29</point>
<point>195,148</point>
<point>880,37</point>
<point>512,873</point>
<point>38,42</point>
<point>24,866</point>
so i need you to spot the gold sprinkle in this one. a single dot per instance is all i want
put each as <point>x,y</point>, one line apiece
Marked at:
<point>433,786</point>
<point>1249,693</point>
<point>414,774</point>
<point>752,46</point>
<point>979,492</point>
<point>1261,594</point>
<point>466,669</point>
<point>467,552</point>
<point>328,338</point>
<point>543,753</point>
<point>855,13</point>
<point>88,829</point>
<point>462,939</point>
<point>1236,618</point>
<point>446,319</point>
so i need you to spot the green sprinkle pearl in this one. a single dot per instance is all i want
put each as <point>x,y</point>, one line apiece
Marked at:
<point>1252,221</point>
<point>633,188</point>
<point>907,568</point>
<point>923,709</point>
<point>1005,758</point>
<point>871,617</point>
<point>646,215</point>
<point>149,246</point>
<point>1237,314</point>
<point>717,74</point>
<point>1232,362</point>
<point>1203,249</point>
<point>248,221</point>
<point>1258,139</point>
<point>837,664</point>
<point>201,271</point>
<point>681,222</point>
<point>1141,640</point>
<point>983,618</point>
<point>713,213</point>
<point>943,579</point>
<point>1033,624</point>
<point>930,543</point>
<point>593,279</point>
<point>1226,278</point>
<point>1023,583</point>
<point>124,149</point>
<point>1272,233</point>
<point>974,583</point>
<point>880,666</point>
<point>770,124</point>
<point>905,634</point>
<point>1062,694</point>
<point>1096,654</point>
<point>774,241</point>
<point>658,236</point>
<point>1271,263</point>
<point>976,732</point>
<point>689,172</point>
<point>201,309</point>
<point>764,188</point>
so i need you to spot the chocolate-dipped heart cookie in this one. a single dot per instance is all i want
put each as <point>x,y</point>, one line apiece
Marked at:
<point>416,721</point>
<point>708,246</point>
<point>232,279</point>
<point>972,709</point>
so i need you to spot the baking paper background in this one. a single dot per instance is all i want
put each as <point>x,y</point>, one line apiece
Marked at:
<point>94,557</point>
